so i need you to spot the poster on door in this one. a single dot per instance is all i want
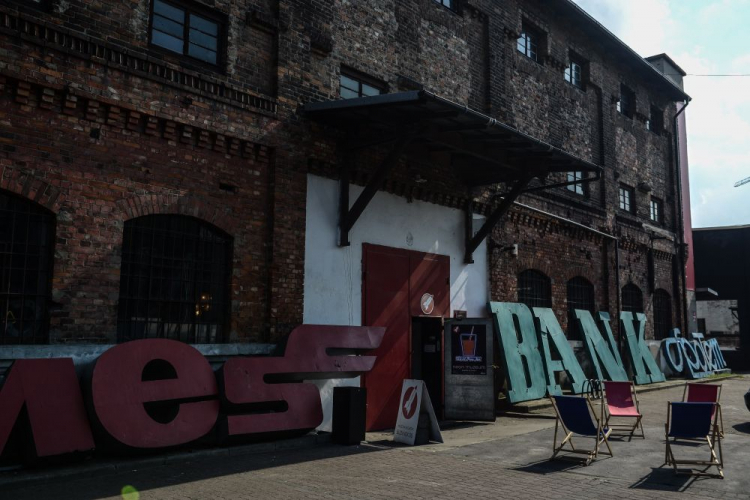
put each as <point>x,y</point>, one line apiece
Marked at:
<point>468,349</point>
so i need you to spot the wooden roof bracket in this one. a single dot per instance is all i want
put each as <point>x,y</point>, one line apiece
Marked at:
<point>349,216</point>
<point>474,240</point>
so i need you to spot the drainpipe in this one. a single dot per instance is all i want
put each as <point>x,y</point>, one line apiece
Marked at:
<point>681,228</point>
<point>620,344</point>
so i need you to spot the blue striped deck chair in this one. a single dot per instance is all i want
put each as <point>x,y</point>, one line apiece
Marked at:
<point>576,415</point>
<point>694,422</point>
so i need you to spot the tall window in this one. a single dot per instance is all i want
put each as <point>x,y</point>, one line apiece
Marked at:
<point>186,31</point>
<point>662,314</point>
<point>529,42</point>
<point>627,195</point>
<point>574,71</point>
<point>626,102</point>
<point>27,236</point>
<point>578,187</point>
<point>632,298</point>
<point>534,289</point>
<point>655,122</point>
<point>354,85</point>
<point>580,296</point>
<point>174,281</point>
<point>655,210</point>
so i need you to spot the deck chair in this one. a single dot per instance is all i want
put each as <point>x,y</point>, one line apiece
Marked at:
<point>576,415</point>
<point>704,393</point>
<point>694,422</point>
<point>622,403</point>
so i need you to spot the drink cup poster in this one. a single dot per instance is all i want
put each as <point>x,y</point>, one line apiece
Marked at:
<point>469,349</point>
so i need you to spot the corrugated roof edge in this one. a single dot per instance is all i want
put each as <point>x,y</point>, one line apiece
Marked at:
<point>589,18</point>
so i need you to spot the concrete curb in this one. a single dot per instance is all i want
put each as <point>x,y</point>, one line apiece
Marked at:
<point>23,477</point>
<point>529,407</point>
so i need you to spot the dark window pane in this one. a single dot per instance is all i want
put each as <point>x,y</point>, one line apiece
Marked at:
<point>169,11</point>
<point>349,83</point>
<point>580,297</point>
<point>348,94</point>
<point>163,290</point>
<point>368,90</point>
<point>206,55</point>
<point>632,298</point>
<point>204,25</point>
<point>167,41</point>
<point>25,270</point>
<point>169,27</point>
<point>201,39</point>
<point>534,289</point>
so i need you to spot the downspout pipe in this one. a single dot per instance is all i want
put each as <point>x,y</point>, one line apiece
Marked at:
<point>681,220</point>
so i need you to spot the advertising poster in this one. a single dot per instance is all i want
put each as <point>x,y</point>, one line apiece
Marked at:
<point>469,346</point>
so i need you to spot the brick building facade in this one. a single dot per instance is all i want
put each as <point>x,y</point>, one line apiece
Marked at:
<point>111,112</point>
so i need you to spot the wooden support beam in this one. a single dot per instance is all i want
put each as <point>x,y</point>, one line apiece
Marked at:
<point>348,217</point>
<point>494,218</point>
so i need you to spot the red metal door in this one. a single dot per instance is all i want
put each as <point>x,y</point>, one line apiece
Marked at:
<point>429,275</point>
<point>386,303</point>
<point>394,283</point>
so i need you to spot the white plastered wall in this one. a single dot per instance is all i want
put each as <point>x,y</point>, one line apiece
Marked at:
<point>333,275</point>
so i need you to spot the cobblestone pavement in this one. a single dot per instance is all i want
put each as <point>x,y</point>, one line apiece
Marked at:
<point>507,459</point>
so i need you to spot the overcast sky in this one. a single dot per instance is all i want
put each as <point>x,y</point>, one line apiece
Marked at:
<point>703,37</point>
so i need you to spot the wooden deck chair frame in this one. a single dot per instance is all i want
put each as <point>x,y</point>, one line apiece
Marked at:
<point>627,428</point>
<point>601,437</point>
<point>718,400</point>
<point>713,440</point>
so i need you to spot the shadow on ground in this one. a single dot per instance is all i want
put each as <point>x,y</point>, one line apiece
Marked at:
<point>150,478</point>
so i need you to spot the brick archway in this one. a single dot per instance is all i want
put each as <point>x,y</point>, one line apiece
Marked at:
<point>153,204</point>
<point>32,187</point>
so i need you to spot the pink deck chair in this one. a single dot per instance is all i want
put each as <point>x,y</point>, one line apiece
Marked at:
<point>622,403</point>
<point>705,393</point>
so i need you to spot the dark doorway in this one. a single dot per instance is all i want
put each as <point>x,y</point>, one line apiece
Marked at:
<point>427,357</point>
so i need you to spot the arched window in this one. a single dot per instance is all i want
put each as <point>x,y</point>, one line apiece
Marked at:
<point>174,280</point>
<point>580,296</point>
<point>27,236</point>
<point>534,289</point>
<point>632,298</point>
<point>662,314</point>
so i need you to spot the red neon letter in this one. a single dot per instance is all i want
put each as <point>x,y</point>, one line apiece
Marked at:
<point>119,393</point>
<point>49,388</point>
<point>305,358</point>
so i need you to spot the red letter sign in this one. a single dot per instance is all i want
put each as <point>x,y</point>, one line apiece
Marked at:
<point>49,388</point>
<point>120,393</point>
<point>257,380</point>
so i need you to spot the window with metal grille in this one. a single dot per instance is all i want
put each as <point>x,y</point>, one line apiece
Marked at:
<point>632,298</point>
<point>529,42</point>
<point>353,84</point>
<point>534,289</point>
<point>626,195</point>
<point>662,314</point>
<point>27,236</point>
<point>655,209</point>
<point>580,296</point>
<point>174,280</point>
<point>578,187</point>
<point>195,33</point>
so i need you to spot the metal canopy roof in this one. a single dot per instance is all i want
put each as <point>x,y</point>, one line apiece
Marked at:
<point>484,150</point>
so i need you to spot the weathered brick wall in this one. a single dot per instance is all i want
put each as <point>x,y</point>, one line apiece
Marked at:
<point>173,130</point>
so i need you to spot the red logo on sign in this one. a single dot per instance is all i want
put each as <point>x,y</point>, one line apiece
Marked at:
<point>409,404</point>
